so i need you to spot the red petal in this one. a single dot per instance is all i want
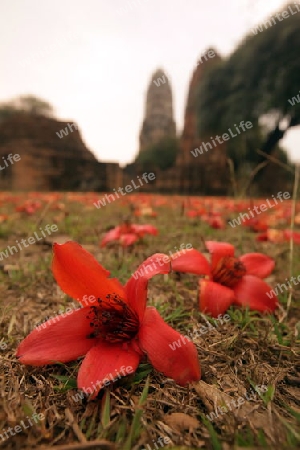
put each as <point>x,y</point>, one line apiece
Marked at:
<point>136,286</point>
<point>157,339</point>
<point>292,234</point>
<point>80,276</point>
<point>111,235</point>
<point>253,292</point>
<point>258,264</point>
<point>218,250</point>
<point>190,261</point>
<point>144,229</point>
<point>128,239</point>
<point>262,237</point>
<point>214,298</point>
<point>104,363</point>
<point>63,338</point>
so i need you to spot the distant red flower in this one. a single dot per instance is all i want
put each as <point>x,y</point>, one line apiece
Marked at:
<point>115,328</point>
<point>279,236</point>
<point>145,211</point>
<point>236,281</point>
<point>29,207</point>
<point>128,233</point>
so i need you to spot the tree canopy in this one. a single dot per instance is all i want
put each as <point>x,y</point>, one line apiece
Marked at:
<point>255,83</point>
<point>162,155</point>
<point>26,104</point>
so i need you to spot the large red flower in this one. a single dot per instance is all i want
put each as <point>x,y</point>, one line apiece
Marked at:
<point>236,281</point>
<point>114,329</point>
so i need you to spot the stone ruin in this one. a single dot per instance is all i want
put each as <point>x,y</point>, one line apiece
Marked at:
<point>50,163</point>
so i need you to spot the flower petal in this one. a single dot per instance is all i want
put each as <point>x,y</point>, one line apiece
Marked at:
<point>111,235</point>
<point>190,261</point>
<point>214,298</point>
<point>63,338</point>
<point>79,274</point>
<point>258,264</point>
<point>294,235</point>
<point>168,351</point>
<point>104,363</point>
<point>145,229</point>
<point>256,294</point>
<point>218,250</point>
<point>128,239</point>
<point>136,286</point>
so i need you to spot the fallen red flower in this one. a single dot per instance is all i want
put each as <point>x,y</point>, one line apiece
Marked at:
<point>115,328</point>
<point>235,281</point>
<point>279,236</point>
<point>127,234</point>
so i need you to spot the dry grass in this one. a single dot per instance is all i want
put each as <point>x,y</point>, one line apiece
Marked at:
<point>249,350</point>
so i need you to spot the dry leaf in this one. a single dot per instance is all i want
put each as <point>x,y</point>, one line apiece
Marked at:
<point>181,421</point>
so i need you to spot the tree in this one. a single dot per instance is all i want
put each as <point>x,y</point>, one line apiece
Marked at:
<point>162,155</point>
<point>256,82</point>
<point>28,104</point>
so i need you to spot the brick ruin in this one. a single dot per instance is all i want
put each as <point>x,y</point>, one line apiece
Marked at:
<point>52,163</point>
<point>47,162</point>
<point>206,174</point>
<point>158,122</point>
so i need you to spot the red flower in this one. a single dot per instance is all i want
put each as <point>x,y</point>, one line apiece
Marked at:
<point>127,233</point>
<point>235,281</point>
<point>114,329</point>
<point>279,236</point>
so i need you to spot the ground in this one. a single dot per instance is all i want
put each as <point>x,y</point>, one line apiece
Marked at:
<point>250,356</point>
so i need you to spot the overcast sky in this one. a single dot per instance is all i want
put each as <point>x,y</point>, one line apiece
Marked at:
<point>93,59</point>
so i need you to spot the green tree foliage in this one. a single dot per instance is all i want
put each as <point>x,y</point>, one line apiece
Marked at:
<point>255,83</point>
<point>162,155</point>
<point>28,104</point>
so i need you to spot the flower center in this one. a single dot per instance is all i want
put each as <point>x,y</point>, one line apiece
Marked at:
<point>113,320</point>
<point>228,271</point>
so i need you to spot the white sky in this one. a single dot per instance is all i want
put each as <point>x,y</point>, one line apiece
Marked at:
<point>93,63</point>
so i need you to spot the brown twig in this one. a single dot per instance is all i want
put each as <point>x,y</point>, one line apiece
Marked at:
<point>96,445</point>
<point>252,175</point>
<point>81,437</point>
<point>295,192</point>
<point>275,160</point>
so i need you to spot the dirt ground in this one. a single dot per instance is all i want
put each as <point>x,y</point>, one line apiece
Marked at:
<point>253,357</point>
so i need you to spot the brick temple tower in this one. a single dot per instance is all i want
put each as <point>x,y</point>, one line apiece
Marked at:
<point>158,122</point>
<point>207,173</point>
